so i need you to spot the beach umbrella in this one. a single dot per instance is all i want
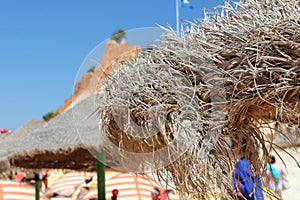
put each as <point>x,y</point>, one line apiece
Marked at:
<point>93,183</point>
<point>54,174</point>
<point>192,95</point>
<point>130,186</point>
<point>69,141</point>
<point>9,140</point>
<point>11,190</point>
<point>17,137</point>
<point>67,183</point>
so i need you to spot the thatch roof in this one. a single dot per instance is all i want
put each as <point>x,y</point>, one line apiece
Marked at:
<point>68,141</point>
<point>185,101</point>
<point>16,137</point>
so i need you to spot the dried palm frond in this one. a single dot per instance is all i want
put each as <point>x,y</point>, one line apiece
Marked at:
<point>179,107</point>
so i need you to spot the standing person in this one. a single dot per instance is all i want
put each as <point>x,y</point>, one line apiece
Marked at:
<point>44,178</point>
<point>274,176</point>
<point>247,185</point>
<point>115,193</point>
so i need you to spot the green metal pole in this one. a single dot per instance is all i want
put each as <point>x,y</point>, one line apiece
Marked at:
<point>37,185</point>
<point>101,174</point>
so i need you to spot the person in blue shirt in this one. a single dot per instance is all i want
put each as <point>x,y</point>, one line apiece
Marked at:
<point>247,185</point>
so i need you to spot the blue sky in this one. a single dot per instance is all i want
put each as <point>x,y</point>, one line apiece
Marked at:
<point>43,43</point>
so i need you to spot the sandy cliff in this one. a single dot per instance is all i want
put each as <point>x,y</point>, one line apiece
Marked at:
<point>114,52</point>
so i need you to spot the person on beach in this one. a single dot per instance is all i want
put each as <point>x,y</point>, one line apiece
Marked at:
<point>246,184</point>
<point>274,176</point>
<point>115,193</point>
<point>44,178</point>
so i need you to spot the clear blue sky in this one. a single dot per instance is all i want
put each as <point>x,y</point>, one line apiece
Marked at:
<point>44,42</point>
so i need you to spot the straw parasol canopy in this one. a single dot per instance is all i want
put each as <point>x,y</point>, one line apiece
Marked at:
<point>68,141</point>
<point>15,137</point>
<point>220,81</point>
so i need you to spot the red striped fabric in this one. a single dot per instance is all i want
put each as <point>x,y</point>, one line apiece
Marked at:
<point>68,182</point>
<point>10,190</point>
<point>130,186</point>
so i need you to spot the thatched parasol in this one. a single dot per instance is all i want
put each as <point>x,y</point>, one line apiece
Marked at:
<point>15,137</point>
<point>178,107</point>
<point>68,141</point>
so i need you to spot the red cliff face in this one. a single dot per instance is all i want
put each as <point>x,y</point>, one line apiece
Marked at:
<point>114,52</point>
